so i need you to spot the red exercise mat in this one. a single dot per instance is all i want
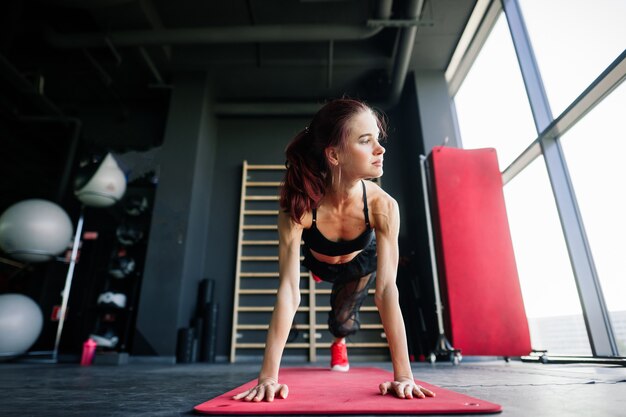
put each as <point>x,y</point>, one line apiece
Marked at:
<point>480,284</point>
<point>320,391</point>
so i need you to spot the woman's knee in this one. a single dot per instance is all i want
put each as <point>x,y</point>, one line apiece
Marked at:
<point>342,328</point>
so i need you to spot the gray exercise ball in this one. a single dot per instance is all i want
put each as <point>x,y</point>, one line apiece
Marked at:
<point>35,230</point>
<point>104,186</point>
<point>21,321</point>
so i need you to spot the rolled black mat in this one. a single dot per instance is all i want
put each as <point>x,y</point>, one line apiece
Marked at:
<point>185,345</point>
<point>209,332</point>
<point>205,295</point>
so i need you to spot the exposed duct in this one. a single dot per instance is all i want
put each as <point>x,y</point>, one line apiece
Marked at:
<point>404,53</point>
<point>267,34</point>
<point>226,34</point>
<point>89,4</point>
<point>398,77</point>
<point>222,35</point>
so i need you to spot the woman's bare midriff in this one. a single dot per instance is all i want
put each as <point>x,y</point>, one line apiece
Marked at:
<point>333,260</point>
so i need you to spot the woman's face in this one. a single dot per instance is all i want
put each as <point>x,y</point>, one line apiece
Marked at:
<point>362,154</point>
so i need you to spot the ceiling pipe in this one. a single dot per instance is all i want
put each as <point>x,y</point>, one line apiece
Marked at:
<point>403,55</point>
<point>268,33</point>
<point>226,34</point>
<point>398,77</point>
<point>301,108</point>
<point>221,35</point>
<point>287,108</point>
<point>89,4</point>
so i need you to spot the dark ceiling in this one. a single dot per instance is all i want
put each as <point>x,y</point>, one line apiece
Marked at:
<point>84,51</point>
<point>112,63</point>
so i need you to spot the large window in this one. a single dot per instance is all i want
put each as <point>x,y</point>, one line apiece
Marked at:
<point>595,148</point>
<point>493,111</point>
<point>548,287</point>
<point>574,41</point>
<point>492,107</point>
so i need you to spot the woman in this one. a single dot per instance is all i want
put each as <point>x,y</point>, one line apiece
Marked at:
<point>350,232</point>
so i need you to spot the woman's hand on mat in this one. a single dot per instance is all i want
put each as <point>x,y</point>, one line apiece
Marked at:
<point>406,388</point>
<point>266,389</point>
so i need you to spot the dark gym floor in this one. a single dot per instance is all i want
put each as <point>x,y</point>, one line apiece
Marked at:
<point>523,389</point>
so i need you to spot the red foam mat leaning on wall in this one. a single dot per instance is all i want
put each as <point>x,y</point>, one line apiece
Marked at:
<point>478,274</point>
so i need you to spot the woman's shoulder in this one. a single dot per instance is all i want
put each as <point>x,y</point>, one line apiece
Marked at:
<point>287,222</point>
<point>382,206</point>
<point>378,198</point>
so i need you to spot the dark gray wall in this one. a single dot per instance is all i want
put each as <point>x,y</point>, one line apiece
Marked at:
<point>175,260</point>
<point>137,126</point>
<point>433,123</point>
<point>410,146</point>
<point>435,110</point>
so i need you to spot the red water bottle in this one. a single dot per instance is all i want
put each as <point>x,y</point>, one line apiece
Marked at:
<point>89,350</point>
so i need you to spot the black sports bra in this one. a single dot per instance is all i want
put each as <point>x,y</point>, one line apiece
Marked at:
<point>314,239</point>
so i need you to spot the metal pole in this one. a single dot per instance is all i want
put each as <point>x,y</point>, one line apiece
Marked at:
<point>443,345</point>
<point>431,245</point>
<point>68,283</point>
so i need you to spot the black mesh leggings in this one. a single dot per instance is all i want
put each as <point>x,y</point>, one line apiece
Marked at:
<point>345,301</point>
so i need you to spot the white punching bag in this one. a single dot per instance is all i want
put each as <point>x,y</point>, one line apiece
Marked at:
<point>103,187</point>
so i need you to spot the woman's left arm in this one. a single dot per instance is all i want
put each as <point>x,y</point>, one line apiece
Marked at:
<point>387,223</point>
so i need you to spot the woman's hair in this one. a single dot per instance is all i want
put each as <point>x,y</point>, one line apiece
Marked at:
<point>308,173</point>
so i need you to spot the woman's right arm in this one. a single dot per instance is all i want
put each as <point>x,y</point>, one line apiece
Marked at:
<point>287,302</point>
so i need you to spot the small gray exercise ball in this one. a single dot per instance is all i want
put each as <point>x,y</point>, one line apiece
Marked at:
<point>21,321</point>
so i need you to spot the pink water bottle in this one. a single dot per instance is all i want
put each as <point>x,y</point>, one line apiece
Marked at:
<point>89,350</point>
